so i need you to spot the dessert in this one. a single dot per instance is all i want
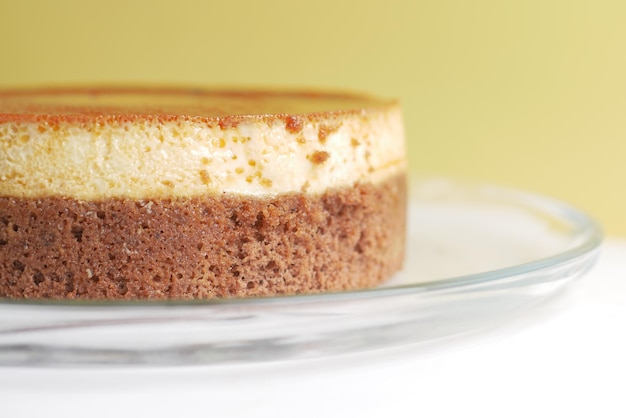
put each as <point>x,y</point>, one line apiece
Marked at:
<point>141,193</point>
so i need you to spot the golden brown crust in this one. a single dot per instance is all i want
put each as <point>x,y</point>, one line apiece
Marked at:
<point>201,247</point>
<point>224,108</point>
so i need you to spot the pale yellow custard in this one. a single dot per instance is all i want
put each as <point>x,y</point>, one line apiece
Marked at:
<point>75,143</point>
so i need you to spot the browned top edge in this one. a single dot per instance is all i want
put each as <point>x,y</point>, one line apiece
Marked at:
<point>15,108</point>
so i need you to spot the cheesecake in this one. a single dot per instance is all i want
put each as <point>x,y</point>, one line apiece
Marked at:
<point>156,193</point>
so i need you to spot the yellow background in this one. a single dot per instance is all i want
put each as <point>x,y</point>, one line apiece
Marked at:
<point>527,93</point>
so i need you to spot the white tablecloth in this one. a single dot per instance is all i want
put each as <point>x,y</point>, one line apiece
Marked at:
<point>565,358</point>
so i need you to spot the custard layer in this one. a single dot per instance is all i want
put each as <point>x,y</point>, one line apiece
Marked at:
<point>94,145</point>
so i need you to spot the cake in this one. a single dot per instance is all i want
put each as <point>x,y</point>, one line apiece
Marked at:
<point>147,193</point>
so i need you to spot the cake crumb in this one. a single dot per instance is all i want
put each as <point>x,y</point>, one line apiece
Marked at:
<point>178,252</point>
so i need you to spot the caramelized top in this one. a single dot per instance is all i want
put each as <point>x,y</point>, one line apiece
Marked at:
<point>223,107</point>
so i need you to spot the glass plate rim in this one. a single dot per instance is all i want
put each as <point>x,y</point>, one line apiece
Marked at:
<point>587,226</point>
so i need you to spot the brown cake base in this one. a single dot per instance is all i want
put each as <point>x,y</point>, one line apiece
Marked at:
<point>202,247</point>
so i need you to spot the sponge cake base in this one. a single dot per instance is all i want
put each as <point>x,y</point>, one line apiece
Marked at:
<point>216,246</point>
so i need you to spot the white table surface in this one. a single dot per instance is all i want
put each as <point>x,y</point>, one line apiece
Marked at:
<point>565,358</point>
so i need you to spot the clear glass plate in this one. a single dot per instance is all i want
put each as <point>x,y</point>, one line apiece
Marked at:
<point>475,254</point>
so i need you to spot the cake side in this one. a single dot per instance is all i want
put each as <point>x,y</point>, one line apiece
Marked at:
<point>203,246</point>
<point>180,194</point>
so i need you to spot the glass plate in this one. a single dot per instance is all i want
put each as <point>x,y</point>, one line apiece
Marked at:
<point>475,254</point>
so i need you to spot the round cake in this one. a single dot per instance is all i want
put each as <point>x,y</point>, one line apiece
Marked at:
<point>143,193</point>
